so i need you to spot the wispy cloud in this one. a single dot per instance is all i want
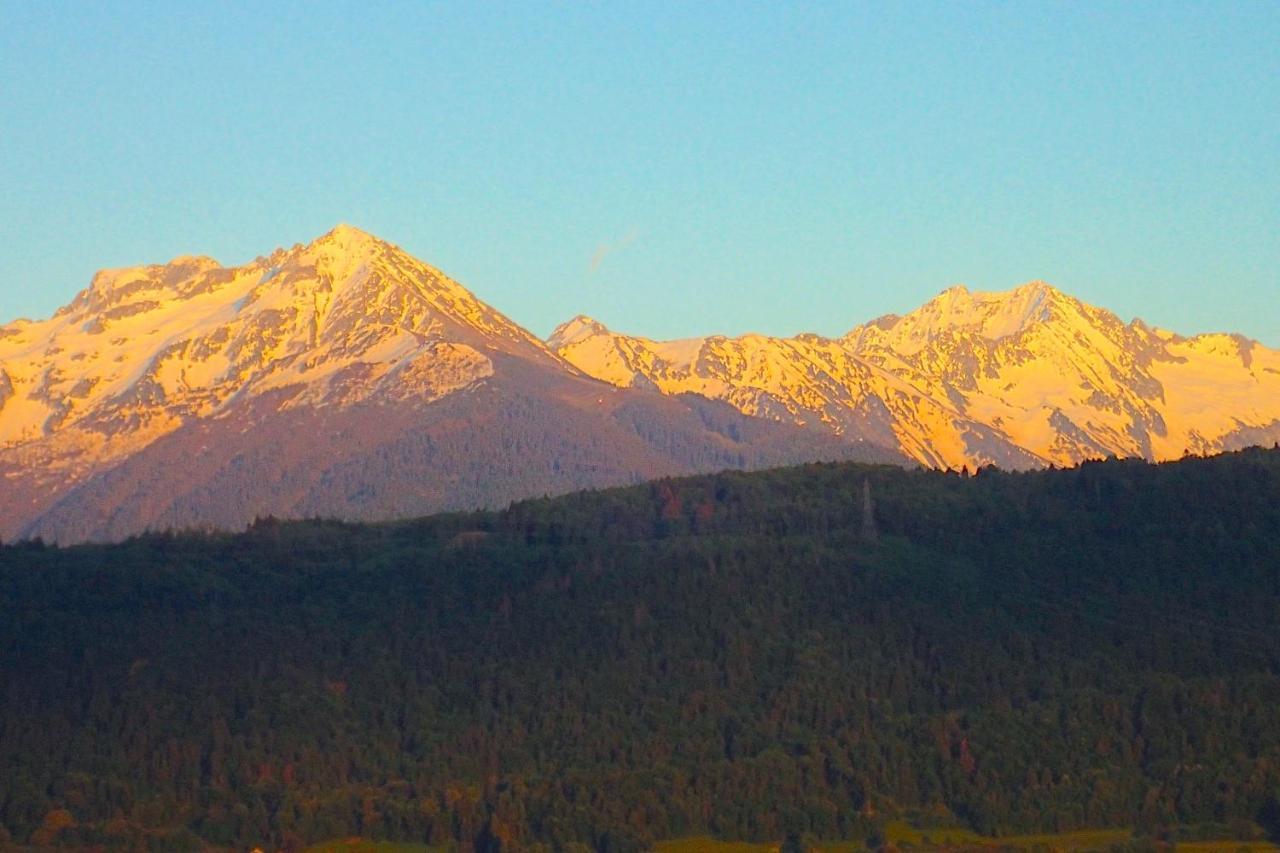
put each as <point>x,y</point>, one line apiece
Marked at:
<point>604,250</point>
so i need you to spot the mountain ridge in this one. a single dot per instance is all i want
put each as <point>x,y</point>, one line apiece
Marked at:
<point>144,401</point>
<point>1020,378</point>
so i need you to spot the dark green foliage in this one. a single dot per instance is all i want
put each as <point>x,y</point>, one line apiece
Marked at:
<point>726,654</point>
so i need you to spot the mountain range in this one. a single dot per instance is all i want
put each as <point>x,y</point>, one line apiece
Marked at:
<point>346,378</point>
<point>342,378</point>
<point>1026,378</point>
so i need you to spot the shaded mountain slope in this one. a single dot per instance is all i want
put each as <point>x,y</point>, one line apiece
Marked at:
<point>483,446</point>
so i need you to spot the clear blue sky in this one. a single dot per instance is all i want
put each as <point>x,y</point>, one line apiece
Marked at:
<point>728,166</point>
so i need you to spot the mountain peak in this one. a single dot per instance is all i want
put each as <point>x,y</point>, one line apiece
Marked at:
<point>347,235</point>
<point>344,242</point>
<point>573,331</point>
<point>1026,291</point>
<point>327,321</point>
<point>1038,285</point>
<point>1035,289</point>
<point>990,314</point>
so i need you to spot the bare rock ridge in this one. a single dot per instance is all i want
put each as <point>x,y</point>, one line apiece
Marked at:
<point>340,378</point>
<point>1024,378</point>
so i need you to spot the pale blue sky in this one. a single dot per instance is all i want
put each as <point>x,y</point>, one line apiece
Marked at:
<point>753,166</point>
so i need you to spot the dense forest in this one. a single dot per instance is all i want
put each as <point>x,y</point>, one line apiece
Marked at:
<point>800,652</point>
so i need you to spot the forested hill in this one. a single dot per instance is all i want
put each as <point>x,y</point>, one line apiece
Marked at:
<point>746,655</point>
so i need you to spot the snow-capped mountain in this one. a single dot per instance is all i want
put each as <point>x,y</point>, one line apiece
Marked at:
<point>346,378</point>
<point>342,377</point>
<point>332,322</point>
<point>1025,378</point>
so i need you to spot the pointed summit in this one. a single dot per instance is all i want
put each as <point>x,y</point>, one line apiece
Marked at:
<point>343,234</point>
<point>346,230</point>
<point>356,286</point>
<point>574,331</point>
<point>343,243</point>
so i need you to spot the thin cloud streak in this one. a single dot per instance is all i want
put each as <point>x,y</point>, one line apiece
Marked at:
<point>604,250</point>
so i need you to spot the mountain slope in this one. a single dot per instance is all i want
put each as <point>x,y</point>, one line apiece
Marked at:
<point>1018,379</point>
<point>807,380</point>
<point>307,381</point>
